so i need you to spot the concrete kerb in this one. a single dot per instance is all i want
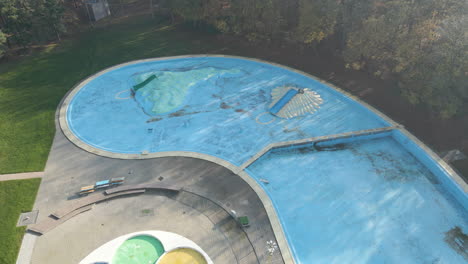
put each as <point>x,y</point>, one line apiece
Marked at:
<point>21,176</point>
<point>274,220</point>
<point>26,249</point>
<point>272,216</point>
<point>453,174</point>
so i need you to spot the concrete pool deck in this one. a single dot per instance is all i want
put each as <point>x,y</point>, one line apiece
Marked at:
<point>67,172</point>
<point>158,245</point>
<point>70,167</point>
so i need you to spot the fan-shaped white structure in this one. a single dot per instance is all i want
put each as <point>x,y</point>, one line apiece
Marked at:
<point>302,102</point>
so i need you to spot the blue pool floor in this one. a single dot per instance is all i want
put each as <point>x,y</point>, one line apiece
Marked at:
<point>367,201</point>
<point>224,113</point>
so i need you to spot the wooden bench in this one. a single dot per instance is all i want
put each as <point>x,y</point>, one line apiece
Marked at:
<point>84,204</point>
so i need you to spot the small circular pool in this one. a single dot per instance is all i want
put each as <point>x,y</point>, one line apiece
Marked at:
<point>149,247</point>
<point>139,250</point>
<point>182,256</point>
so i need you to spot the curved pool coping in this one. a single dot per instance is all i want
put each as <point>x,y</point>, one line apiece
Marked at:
<point>239,170</point>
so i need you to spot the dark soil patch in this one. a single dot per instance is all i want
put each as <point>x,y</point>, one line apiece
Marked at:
<point>155,119</point>
<point>184,113</point>
<point>305,150</point>
<point>178,113</point>
<point>225,106</point>
<point>334,147</point>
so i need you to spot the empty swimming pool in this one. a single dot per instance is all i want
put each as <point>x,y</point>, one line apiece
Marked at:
<point>216,106</point>
<point>365,200</point>
<point>348,186</point>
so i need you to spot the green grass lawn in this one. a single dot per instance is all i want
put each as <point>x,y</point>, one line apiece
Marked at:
<point>15,197</point>
<point>31,89</point>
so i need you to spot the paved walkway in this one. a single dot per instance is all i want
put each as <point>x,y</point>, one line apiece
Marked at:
<point>74,239</point>
<point>69,167</point>
<point>21,176</point>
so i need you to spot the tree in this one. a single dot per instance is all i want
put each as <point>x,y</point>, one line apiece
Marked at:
<point>317,20</point>
<point>439,78</point>
<point>257,20</point>
<point>27,21</point>
<point>375,43</point>
<point>2,42</point>
<point>48,17</point>
<point>16,18</point>
<point>421,43</point>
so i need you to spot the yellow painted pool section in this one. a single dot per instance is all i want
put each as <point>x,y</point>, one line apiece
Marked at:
<point>183,256</point>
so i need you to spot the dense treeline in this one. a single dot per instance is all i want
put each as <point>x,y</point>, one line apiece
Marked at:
<point>421,43</point>
<point>23,22</point>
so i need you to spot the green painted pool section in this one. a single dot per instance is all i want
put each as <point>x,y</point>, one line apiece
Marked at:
<point>166,90</point>
<point>139,250</point>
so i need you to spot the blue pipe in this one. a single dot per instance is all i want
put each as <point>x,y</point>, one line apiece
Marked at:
<point>283,101</point>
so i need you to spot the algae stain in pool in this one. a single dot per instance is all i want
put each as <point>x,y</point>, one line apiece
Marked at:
<point>458,241</point>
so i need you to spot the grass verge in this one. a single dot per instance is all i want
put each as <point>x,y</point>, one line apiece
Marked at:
<point>16,196</point>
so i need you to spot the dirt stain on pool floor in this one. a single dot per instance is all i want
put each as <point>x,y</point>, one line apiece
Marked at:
<point>154,119</point>
<point>458,241</point>
<point>225,106</point>
<point>330,147</point>
<point>179,113</point>
<point>184,113</point>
